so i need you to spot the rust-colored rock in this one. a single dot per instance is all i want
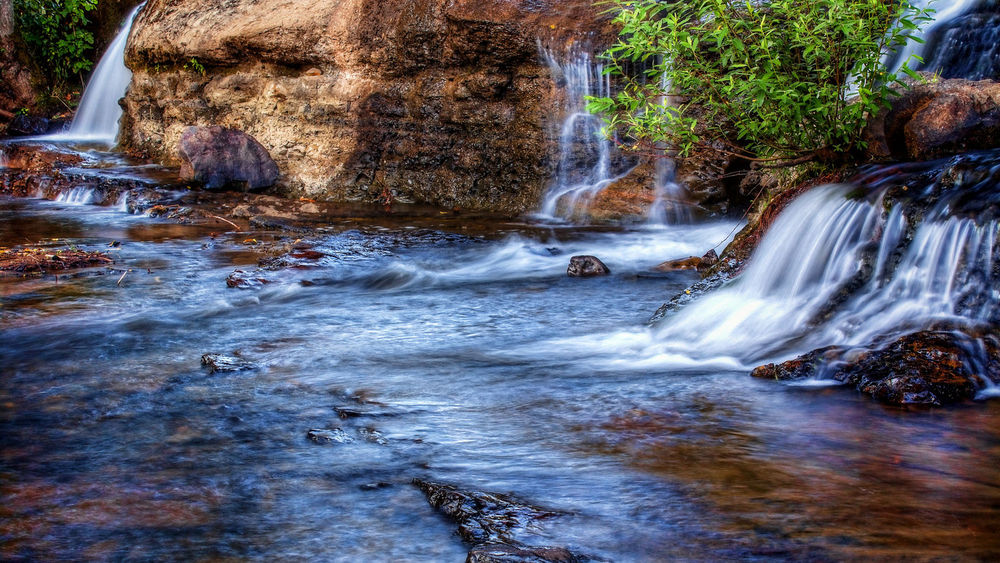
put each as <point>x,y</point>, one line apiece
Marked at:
<point>936,119</point>
<point>586,267</point>
<point>927,367</point>
<point>433,101</point>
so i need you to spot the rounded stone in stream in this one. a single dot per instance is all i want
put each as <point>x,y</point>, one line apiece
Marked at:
<point>218,157</point>
<point>507,553</point>
<point>586,267</point>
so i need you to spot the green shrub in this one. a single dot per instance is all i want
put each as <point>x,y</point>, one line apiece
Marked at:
<point>779,80</point>
<point>55,32</point>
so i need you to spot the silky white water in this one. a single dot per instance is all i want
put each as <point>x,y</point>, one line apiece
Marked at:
<point>831,270</point>
<point>585,154</point>
<point>944,12</point>
<point>97,116</point>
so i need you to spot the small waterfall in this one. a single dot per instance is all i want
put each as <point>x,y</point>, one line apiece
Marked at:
<point>97,116</point>
<point>841,265</point>
<point>76,196</point>
<point>585,155</point>
<point>3,159</point>
<point>946,15</point>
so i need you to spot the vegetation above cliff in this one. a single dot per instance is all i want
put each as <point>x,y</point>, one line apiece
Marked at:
<point>56,33</point>
<point>783,81</point>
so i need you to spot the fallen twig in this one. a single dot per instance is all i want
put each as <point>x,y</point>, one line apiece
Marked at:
<point>125,273</point>
<point>237,227</point>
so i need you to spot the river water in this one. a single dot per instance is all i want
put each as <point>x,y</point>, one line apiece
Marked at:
<point>433,349</point>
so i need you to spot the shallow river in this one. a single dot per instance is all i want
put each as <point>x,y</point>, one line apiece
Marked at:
<point>434,350</point>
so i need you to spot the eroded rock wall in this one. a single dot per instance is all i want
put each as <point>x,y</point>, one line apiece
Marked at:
<point>432,101</point>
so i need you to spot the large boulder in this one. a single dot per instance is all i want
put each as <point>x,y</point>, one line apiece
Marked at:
<point>937,118</point>
<point>217,157</point>
<point>445,102</point>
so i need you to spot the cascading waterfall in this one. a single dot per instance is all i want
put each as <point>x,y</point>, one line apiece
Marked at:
<point>97,116</point>
<point>842,265</point>
<point>585,155</point>
<point>945,15</point>
<point>588,161</point>
<point>3,159</point>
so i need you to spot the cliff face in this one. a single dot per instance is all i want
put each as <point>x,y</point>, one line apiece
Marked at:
<point>435,101</point>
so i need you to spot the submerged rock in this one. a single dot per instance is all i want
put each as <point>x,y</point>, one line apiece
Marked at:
<point>329,436</point>
<point>218,157</point>
<point>489,522</point>
<point>481,517</point>
<point>507,553</point>
<point>222,363</point>
<point>586,267</point>
<point>927,367</point>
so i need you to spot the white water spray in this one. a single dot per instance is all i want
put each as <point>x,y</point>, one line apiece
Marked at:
<point>97,117</point>
<point>76,196</point>
<point>832,270</point>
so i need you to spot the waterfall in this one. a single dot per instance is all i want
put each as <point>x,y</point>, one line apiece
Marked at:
<point>841,265</point>
<point>4,162</point>
<point>945,15</point>
<point>97,116</point>
<point>585,155</point>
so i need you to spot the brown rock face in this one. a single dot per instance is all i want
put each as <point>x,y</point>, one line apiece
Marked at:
<point>16,78</point>
<point>431,101</point>
<point>937,119</point>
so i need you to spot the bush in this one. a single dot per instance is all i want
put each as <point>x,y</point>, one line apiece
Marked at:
<point>780,80</point>
<point>55,32</point>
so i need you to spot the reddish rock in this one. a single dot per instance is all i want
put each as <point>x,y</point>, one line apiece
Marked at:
<point>586,267</point>
<point>927,367</point>
<point>218,157</point>
<point>441,102</point>
<point>936,119</point>
<point>689,263</point>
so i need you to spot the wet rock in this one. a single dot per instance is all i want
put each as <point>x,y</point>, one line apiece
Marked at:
<point>935,119</point>
<point>586,267</point>
<point>372,436</point>
<point>813,364</point>
<point>28,125</point>
<point>218,157</point>
<point>507,553</point>
<point>709,259</point>
<point>927,367</point>
<point>689,263</point>
<point>482,517</point>
<point>627,198</point>
<point>329,436</point>
<point>489,521</point>
<point>222,363</point>
<point>43,260</point>
<point>245,280</point>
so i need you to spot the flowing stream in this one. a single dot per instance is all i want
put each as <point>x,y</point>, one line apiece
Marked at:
<point>430,347</point>
<point>460,352</point>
